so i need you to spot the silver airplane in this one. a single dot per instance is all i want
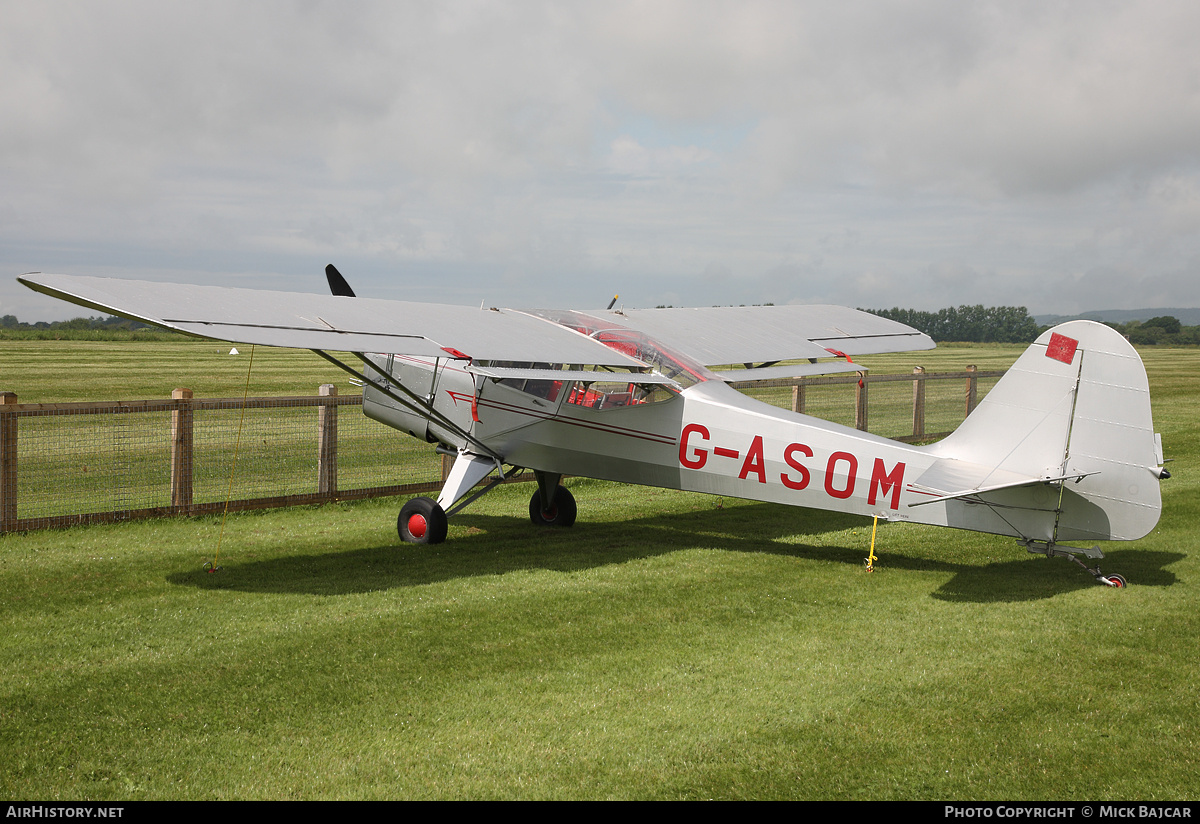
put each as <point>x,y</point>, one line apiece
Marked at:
<point>1063,448</point>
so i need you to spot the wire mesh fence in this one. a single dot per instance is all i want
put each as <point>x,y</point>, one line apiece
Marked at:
<point>87,462</point>
<point>70,463</point>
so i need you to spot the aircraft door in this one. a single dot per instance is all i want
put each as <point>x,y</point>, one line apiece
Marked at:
<point>414,374</point>
<point>454,396</point>
<point>512,404</point>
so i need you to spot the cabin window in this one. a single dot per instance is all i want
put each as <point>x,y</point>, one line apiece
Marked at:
<point>602,395</point>
<point>546,389</point>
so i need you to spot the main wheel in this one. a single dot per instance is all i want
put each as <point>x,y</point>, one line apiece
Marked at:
<point>1118,581</point>
<point>560,513</point>
<point>422,521</point>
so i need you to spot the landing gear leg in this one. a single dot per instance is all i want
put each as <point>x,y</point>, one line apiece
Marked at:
<point>1052,550</point>
<point>423,520</point>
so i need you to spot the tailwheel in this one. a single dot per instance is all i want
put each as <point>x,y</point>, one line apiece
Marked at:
<point>561,511</point>
<point>422,521</point>
<point>1050,550</point>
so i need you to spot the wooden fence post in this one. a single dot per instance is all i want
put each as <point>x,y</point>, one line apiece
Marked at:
<point>327,442</point>
<point>919,402</point>
<point>860,403</point>
<point>181,450</point>
<point>798,396</point>
<point>972,388</point>
<point>8,461</point>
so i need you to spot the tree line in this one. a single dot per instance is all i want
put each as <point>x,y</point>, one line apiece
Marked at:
<point>78,324</point>
<point>976,324</point>
<point>1013,324</point>
<point>1164,330</point>
<point>92,328</point>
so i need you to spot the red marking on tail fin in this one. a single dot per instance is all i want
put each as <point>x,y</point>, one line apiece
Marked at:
<point>1061,348</point>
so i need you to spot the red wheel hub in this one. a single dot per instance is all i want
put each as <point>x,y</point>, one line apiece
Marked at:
<point>417,525</point>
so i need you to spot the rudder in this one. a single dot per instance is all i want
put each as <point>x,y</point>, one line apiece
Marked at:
<point>1075,405</point>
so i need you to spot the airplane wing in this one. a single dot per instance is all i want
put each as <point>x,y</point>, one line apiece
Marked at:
<point>307,321</point>
<point>763,334</point>
<point>713,336</point>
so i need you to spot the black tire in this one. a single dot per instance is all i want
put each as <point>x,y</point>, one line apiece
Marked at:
<point>1118,581</point>
<point>560,513</point>
<point>422,521</point>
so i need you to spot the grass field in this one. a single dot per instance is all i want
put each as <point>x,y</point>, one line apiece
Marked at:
<point>50,371</point>
<point>669,646</point>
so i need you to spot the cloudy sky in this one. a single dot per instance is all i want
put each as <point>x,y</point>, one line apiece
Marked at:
<point>920,154</point>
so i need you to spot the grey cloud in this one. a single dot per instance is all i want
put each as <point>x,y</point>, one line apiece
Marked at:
<point>926,154</point>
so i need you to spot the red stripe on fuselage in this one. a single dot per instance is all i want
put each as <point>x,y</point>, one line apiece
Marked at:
<point>486,403</point>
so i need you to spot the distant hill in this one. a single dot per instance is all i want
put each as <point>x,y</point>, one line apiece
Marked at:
<point>1188,317</point>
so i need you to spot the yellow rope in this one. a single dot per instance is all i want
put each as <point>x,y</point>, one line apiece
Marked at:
<point>871,560</point>
<point>237,447</point>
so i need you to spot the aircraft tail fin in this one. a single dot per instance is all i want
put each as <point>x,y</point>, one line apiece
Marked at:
<point>1062,448</point>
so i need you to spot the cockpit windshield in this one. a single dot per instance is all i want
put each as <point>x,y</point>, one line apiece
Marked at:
<point>680,368</point>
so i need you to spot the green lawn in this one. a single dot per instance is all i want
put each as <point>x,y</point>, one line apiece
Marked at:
<point>670,645</point>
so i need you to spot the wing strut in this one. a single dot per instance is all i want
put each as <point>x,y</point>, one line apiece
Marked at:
<point>413,402</point>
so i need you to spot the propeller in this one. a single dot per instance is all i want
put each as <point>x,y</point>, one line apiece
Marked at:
<point>337,283</point>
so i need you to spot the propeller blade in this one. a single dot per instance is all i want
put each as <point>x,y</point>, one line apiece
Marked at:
<point>337,283</point>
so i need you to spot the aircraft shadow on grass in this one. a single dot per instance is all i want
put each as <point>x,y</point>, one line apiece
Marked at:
<point>496,545</point>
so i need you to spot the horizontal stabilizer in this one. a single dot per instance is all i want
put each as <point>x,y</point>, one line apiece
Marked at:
<point>982,490</point>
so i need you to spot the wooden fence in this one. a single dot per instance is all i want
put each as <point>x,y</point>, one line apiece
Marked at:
<point>72,463</point>
<point>176,480</point>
